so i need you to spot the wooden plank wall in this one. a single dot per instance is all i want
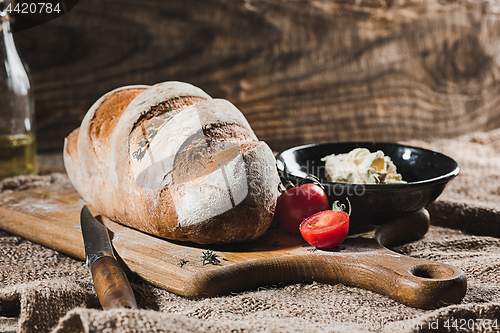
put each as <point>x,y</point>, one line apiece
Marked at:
<point>301,71</point>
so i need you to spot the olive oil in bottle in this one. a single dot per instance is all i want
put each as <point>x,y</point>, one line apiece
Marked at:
<point>17,130</point>
<point>17,155</point>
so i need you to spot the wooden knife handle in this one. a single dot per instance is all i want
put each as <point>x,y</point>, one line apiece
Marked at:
<point>111,284</point>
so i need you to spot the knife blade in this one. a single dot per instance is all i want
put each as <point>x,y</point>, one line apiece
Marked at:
<point>110,281</point>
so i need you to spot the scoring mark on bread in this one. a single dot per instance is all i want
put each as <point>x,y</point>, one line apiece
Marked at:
<point>149,123</point>
<point>209,149</point>
<point>108,113</point>
<point>106,117</point>
<point>169,108</point>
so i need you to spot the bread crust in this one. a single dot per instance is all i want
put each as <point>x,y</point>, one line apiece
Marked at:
<point>171,161</point>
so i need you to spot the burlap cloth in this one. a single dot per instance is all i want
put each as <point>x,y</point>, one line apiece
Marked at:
<point>42,290</point>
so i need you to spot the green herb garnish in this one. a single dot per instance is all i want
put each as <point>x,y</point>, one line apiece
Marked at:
<point>182,262</point>
<point>209,257</point>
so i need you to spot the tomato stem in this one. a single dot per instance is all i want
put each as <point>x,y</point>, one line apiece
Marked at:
<point>340,207</point>
<point>310,178</point>
<point>285,183</point>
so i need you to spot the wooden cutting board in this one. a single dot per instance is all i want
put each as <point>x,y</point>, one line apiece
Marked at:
<point>51,216</point>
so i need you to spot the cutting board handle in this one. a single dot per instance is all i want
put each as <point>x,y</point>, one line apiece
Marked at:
<point>417,282</point>
<point>414,282</point>
<point>367,263</point>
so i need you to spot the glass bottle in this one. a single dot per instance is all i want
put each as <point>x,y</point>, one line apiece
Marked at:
<point>17,132</point>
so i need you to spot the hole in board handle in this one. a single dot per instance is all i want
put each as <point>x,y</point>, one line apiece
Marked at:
<point>431,271</point>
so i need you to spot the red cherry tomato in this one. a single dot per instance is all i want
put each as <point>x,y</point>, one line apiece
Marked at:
<point>297,203</point>
<point>325,229</point>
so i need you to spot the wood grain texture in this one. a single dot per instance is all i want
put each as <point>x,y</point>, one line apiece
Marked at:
<point>50,216</point>
<point>301,71</point>
<point>111,284</point>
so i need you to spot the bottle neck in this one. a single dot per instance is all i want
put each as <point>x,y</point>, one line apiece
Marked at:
<point>16,72</point>
<point>7,38</point>
<point>6,30</point>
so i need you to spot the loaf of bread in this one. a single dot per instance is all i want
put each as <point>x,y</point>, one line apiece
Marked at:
<point>171,161</point>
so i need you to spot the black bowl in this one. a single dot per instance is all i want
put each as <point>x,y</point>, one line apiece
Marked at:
<point>426,173</point>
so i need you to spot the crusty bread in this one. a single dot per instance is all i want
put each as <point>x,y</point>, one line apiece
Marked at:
<point>171,161</point>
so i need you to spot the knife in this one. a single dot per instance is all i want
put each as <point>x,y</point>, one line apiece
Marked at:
<point>110,282</point>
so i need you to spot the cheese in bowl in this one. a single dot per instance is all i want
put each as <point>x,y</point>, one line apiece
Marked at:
<point>360,166</point>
